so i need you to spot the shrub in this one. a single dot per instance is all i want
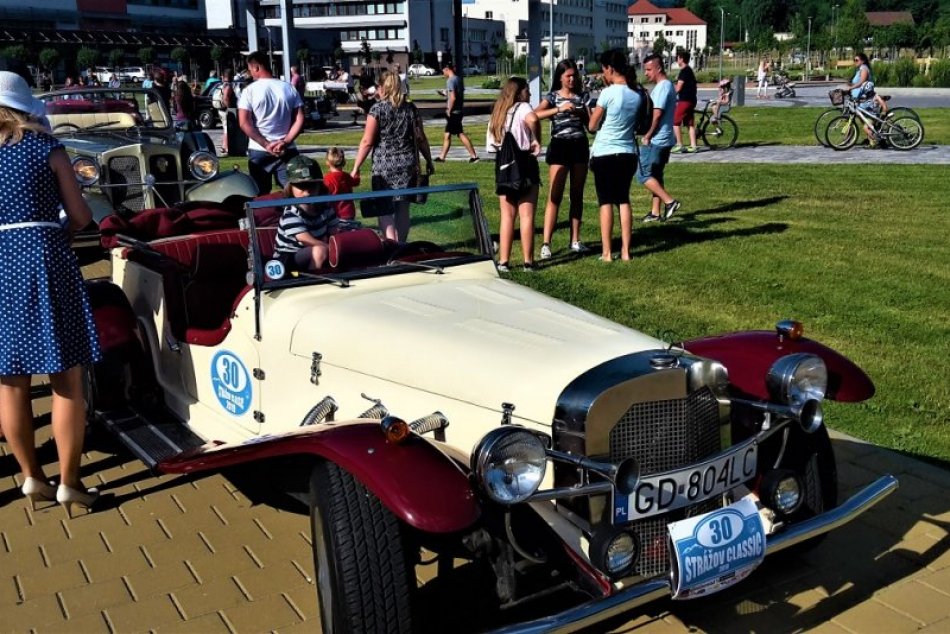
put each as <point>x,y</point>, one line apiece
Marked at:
<point>492,83</point>
<point>883,73</point>
<point>921,81</point>
<point>904,71</point>
<point>940,73</point>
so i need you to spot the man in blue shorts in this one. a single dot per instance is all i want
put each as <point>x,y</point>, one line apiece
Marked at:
<point>656,144</point>
<point>454,102</point>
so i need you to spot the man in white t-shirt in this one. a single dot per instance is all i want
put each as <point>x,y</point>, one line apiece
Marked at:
<point>270,113</point>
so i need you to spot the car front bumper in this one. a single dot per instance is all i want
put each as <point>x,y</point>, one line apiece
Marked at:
<point>601,609</point>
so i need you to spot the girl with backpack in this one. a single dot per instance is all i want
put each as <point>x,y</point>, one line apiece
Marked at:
<point>514,129</point>
<point>614,152</point>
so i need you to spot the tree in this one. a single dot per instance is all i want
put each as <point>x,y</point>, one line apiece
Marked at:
<point>853,27</point>
<point>16,52</point>
<point>366,51</point>
<point>116,57</point>
<point>86,57</point>
<point>217,53</point>
<point>49,58</point>
<point>303,58</point>
<point>145,54</point>
<point>659,45</point>
<point>179,55</point>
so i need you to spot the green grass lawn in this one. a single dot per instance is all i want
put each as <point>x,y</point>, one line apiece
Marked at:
<point>858,253</point>
<point>757,125</point>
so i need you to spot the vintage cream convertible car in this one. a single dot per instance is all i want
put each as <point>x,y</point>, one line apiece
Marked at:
<point>420,403</point>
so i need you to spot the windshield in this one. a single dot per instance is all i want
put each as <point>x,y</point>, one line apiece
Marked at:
<point>447,228</point>
<point>73,110</point>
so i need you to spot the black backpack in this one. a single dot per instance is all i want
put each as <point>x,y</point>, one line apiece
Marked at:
<point>509,177</point>
<point>644,111</point>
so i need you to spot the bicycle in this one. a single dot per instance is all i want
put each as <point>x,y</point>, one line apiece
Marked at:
<point>821,123</point>
<point>902,132</point>
<point>718,133</point>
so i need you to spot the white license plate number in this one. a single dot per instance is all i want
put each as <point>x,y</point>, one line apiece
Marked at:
<point>673,490</point>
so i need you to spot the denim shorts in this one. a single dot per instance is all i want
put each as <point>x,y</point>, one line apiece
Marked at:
<point>652,161</point>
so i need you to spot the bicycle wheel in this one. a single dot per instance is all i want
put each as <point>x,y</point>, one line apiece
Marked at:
<point>722,133</point>
<point>903,133</point>
<point>842,133</point>
<point>901,111</point>
<point>821,124</point>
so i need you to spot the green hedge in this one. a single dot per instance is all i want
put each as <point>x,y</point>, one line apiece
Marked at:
<point>940,73</point>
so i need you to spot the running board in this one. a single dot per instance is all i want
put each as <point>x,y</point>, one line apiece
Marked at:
<point>153,437</point>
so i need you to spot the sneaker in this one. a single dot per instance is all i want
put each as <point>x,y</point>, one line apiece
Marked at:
<point>677,149</point>
<point>529,267</point>
<point>692,149</point>
<point>649,218</point>
<point>545,251</point>
<point>579,247</point>
<point>439,159</point>
<point>473,159</point>
<point>503,267</point>
<point>671,209</point>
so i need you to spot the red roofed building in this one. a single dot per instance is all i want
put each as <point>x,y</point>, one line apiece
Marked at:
<point>887,18</point>
<point>646,22</point>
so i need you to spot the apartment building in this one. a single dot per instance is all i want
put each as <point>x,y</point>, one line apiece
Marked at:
<point>581,27</point>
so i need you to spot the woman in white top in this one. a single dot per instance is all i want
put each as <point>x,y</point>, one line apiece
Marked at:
<point>762,76</point>
<point>512,113</point>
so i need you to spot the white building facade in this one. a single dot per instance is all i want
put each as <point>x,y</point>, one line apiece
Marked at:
<point>582,28</point>
<point>646,23</point>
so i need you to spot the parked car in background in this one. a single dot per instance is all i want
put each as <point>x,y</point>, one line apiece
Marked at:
<point>131,74</point>
<point>128,156</point>
<point>420,70</point>
<point>102,74</point>
<point>472,70</point>
<point>426,411</point>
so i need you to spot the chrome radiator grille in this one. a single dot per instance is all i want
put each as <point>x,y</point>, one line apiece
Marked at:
<point>665,435</point>
<point>125,170</point>
<point>662,436</point>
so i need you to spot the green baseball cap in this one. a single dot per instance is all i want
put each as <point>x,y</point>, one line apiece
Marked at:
<point>302,170</point>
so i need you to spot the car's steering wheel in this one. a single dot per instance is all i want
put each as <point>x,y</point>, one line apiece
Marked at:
<point>66,125</point>
<point>416,247</point>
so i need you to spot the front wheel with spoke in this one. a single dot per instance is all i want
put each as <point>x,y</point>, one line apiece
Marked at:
<point>721,133</point>
<point>842,133</point>
<point>903,133</point>
<point>821,124</point>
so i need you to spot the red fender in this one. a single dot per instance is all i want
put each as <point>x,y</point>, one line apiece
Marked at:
<point>414,480</point>
<point>749,355</point>
<point>115,320</point>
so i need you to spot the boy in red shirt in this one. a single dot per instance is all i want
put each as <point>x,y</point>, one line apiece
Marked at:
<point>338,181</point>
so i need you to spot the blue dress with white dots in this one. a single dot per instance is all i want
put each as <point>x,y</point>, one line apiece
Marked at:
<point>46,324</point>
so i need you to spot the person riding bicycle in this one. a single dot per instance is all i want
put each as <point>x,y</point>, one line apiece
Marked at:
<point>723,100</point>
<point>862,91</point>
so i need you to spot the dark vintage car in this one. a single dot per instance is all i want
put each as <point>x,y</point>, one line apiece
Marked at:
<point>128,154</point>
<point>428,411</point>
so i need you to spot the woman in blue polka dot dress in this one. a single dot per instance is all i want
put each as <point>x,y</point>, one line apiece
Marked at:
<point>46,325</point>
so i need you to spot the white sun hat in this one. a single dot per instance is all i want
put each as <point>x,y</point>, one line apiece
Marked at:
<point>16,94</point>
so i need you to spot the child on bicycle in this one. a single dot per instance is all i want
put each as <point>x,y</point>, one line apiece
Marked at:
<point>724,99</point>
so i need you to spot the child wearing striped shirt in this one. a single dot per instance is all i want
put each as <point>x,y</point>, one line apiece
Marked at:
<point>304,229</point>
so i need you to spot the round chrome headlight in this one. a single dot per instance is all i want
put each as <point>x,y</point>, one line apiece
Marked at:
<point>86,171</point>
<point>614,552</point>
<point>203,165</point>
<point>796,378</point>
<point>509,464</point>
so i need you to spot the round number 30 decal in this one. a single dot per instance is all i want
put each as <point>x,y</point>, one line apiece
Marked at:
<point>232,385</point>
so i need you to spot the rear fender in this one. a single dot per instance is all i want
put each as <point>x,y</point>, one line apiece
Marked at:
<point>225,184</point>
<point>415,480</point>
<point>749,355</point>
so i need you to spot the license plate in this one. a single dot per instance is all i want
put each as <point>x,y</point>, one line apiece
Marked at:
<point>664,492</point>
<point>716,550</point>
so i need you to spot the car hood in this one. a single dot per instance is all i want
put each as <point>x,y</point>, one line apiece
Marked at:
<point>482,341</point>
<point>96,143</point>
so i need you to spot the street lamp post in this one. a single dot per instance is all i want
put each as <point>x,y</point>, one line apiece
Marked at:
<point>834,20</point>
<point>722,31</point>
<point>808,50</point>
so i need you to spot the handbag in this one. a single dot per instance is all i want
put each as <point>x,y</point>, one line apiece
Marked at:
<point>510,178</point>
<point>376,207</point>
